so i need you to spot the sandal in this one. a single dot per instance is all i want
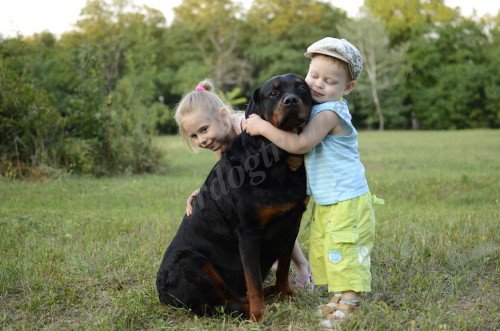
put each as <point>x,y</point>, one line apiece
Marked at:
<point>325,310</point>
<point>305,281</point>
<point>340,312</point>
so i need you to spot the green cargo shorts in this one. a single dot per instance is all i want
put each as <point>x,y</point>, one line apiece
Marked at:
<point>341,239</point>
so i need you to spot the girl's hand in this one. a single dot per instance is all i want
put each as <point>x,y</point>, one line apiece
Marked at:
<point>254,124</point>
<point>189,202</point>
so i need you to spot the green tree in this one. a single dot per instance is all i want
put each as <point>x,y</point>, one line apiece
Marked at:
<point>492,80</point>
<point>401,17</point>
<point>211,42</point>
<point>445,63</point>
<point>381,67</point>
<point>446,80</point>
<point>30,126</point>
<point>279,32</point>
<point>115,64</point>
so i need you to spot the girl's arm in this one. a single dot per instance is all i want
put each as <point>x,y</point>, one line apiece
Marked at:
<point>317,128</point>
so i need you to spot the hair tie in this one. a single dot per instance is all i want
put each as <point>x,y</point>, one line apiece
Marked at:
<point>200,88</point>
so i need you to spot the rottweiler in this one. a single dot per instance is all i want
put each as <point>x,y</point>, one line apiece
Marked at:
<point>246,216</point>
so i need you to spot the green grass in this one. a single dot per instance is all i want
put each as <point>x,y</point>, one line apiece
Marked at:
<point>83,252</point>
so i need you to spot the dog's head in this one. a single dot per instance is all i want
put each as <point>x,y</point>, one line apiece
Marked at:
<point>284,101</point>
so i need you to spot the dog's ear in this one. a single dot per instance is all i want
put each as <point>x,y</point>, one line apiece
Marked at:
<point>253,105</point>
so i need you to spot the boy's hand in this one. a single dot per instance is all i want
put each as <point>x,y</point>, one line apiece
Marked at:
<point>189,202</point>
<point>254,125</point>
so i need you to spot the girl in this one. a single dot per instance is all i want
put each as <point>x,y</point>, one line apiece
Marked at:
<point>206,121</point>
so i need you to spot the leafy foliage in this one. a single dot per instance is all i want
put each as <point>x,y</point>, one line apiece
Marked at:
<point>280,31</point>
<point>90,100</point>
<point>30,126</point>
<point>101,123</point>
<point>446,64</point>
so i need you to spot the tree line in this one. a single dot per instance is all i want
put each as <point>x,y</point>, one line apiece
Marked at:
<point>90,100</point>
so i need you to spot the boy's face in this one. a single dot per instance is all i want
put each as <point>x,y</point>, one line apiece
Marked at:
<point>327,80</point>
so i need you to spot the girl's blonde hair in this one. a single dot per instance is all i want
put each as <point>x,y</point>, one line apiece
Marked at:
<point>207,103</point>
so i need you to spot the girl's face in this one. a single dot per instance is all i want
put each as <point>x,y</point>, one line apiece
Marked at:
<point>210,133</point>
<point>327,80</point>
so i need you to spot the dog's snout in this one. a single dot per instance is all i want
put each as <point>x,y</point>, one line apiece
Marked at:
<point>291,100</point>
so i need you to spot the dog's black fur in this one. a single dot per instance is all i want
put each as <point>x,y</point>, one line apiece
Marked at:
<point>246,216</point>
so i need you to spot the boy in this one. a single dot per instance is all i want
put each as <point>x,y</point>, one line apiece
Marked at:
<point>343,229</point>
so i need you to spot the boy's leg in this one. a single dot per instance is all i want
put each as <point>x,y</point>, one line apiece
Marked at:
<point>349,242</point>
<point>316,247</point>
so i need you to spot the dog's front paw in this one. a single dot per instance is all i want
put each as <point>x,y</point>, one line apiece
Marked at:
<point>256,313</point>
<point>285,292</point>
<point>269,290</point>
<point>281,291</point>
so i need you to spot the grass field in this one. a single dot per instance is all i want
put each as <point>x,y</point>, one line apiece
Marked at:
<point>83,252</point>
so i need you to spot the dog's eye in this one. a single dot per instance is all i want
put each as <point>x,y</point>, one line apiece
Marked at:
<point>301,88</point>
<point>273,94</point>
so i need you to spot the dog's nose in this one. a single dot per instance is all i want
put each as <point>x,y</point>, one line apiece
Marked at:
<point>291,100</point>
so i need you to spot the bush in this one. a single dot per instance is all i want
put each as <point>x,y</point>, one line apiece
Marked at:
<point>95,129</point>
<point>30,127</point>
<point>76,155</point>
<point>166,121</point>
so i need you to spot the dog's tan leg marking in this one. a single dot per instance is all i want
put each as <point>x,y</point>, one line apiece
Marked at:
<point>255,299</point>
<point>220,288</point>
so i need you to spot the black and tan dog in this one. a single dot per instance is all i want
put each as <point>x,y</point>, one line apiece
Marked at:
<point>246,216</point>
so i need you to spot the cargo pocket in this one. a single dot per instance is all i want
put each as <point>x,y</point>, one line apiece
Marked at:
<point>341,245</point>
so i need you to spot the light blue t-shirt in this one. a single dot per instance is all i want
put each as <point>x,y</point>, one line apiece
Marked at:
<point>334,170</point>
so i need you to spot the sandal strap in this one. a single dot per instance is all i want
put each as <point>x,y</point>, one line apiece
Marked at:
<point>346,307</point>
<point>337,309</point>
<point>339,314</point>
<point>351,302</point>
<point>336,298</point>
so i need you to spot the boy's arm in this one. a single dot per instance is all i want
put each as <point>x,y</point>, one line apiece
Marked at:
<point>313,133</point>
